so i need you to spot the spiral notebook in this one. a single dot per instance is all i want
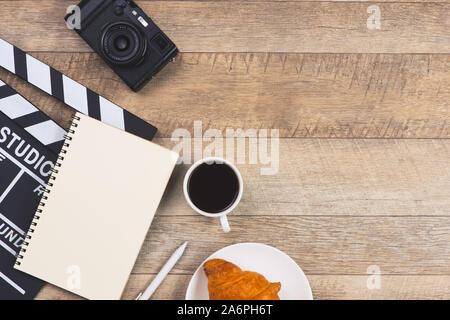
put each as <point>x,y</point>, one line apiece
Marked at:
<point>98,206</point>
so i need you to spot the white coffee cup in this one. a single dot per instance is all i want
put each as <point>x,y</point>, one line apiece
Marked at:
<point>222,215</point>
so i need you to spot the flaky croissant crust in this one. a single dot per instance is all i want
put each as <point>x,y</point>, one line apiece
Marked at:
<point>226,281</point>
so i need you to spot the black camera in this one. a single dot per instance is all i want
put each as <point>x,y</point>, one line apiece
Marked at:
<point>126,38</point>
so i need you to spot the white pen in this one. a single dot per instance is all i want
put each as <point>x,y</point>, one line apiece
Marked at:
<point>162,274</point>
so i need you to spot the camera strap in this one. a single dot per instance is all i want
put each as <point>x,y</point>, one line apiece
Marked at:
<point>70,91</point>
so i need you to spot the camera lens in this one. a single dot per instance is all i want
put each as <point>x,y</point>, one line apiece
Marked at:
<point>123,44</point>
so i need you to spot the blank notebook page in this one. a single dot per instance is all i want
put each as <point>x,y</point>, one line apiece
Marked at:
<point>98,211</point>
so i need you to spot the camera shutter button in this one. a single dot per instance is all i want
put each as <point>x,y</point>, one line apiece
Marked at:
<point>118,10</point>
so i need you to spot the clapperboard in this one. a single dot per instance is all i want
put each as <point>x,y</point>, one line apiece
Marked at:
<point>33,120</point>
<point>25,167</point>
<point>70,91</point>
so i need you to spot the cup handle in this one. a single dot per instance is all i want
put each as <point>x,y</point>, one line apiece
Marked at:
<point>225,224</point>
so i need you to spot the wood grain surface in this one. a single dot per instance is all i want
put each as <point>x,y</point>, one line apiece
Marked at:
<point>302,95</point>
<point>363,118</point>
<point>240,26</point>
<point>321,245</point>
<point>337,177</point>
<point>338,287</point>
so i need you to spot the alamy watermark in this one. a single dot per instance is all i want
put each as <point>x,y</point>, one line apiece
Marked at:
<point>250,146</point>
<point>73,281</point>
<point>374,20</point>
<point>374,280</point>
<point>74,17</point>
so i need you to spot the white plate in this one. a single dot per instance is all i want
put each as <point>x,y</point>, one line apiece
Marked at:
<point>272,263</point>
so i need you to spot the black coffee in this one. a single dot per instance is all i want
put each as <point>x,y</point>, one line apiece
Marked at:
<point>213,188</point>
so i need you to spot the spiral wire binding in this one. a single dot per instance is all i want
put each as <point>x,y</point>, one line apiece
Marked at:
<point>68,137</point>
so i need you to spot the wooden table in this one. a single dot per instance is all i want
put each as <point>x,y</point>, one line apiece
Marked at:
<point>364,123</point>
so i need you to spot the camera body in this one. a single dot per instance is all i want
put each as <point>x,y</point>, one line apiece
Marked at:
<point>126,38</point>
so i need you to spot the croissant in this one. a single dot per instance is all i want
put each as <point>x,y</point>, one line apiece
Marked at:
<point>226,281</point>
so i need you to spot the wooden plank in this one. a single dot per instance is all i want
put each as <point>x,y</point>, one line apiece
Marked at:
<point>251,26</point>
<point>320,245</point>
<point>324,287</point>
<point>365,1</point>
<point>337,177</point>
<point>369,177</point>
<point>303,95</point>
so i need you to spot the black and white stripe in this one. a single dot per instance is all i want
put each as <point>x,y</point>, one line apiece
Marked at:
<point>33,120</point>
<point>71,92</point>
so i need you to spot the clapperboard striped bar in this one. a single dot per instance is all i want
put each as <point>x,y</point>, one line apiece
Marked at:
<point>71,92</point>
<point>33,120</point>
